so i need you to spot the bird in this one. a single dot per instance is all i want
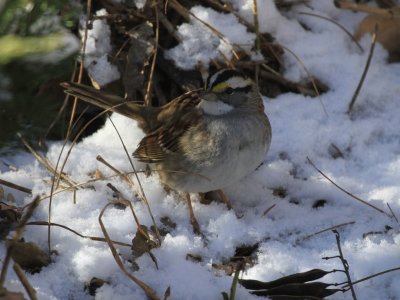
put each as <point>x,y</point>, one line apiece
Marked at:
<point>201,141</point>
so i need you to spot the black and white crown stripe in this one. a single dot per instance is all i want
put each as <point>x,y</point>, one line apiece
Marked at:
<point>232,78</point>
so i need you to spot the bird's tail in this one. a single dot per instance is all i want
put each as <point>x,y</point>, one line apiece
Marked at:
<point>114,103</point>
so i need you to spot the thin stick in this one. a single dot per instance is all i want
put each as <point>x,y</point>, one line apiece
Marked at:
<point>345,264</point>
<point>17,236</point>
<point>80,74</point>
<point>25,282</point>
<point>140,185</point>
<point>125,201</point>
<point>63,107</point>
<point>147,97</point>
<point>371,53</point>
<point>235,280</point>
<point>346,192</point>
<point>93,238</point>
<point>45,162</point>
<point>268,209</point>
<point>372,276</point>
<point>148,290</point>
<point>393,214</point>
<point>124,175</point>
<point>328,229</point>
<point>15,186</point>
<point>258,44</point>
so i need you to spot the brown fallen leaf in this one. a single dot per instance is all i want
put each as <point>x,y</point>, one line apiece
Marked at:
<point>28,255</point>
<point>388,33</point>
<point>7,295</point>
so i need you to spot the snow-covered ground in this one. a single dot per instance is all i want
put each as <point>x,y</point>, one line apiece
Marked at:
<point>369,139</point>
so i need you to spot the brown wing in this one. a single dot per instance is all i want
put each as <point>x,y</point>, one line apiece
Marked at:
<point>156,146</point>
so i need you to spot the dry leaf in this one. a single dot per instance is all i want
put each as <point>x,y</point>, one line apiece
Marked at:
<point>388,34</point>
<point>7,295</point>
<point>28,255</point>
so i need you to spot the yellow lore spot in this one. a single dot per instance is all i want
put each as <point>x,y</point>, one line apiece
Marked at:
<point>220,87</point>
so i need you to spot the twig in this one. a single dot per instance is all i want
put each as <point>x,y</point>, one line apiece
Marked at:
<point>143,195</point>
<point>147,97</point>
<point>148,290</point>
<point>234,283</point>
<point>80,74</point>
<point>17,236</point>
<point>372,276</point>
<point>328,229</point>
<point>346,192</point>
<point>337,24</point>
<point>268,209</point>
<point>119,173</point>
<point>15,186</point>
<point>370,54</point>
<point>28,287</point>
<point>93,238</point>
<point>45,162</point>
<point>125,201</point>
<point>393,214</point>
<point>63,106</point>
<point>345,264</point>
<point>258,44</point>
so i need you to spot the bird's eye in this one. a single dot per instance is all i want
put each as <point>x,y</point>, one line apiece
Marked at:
<point>229,91</point>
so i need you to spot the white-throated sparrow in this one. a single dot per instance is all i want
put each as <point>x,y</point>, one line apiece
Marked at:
<point>201,141</point>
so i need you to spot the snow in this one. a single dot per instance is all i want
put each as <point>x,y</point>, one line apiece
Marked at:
<point>200,45</point>
<point>97,51</point>
<point>369,139</point>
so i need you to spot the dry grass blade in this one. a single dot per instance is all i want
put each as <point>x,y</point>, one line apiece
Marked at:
<point>28,287</point>
<point>80,184</point>
<point>126,202</point>
<point>268,210</point>
<point>147,97</point>
<point>93,238</point>
<point>392,212</point>
<point>15,186</point>
<point>46,163</point>
<point>17,236</point>
<point>142,193</point>
<point>118,172</point>
<point>346,192</point>
<point>370,54</point>
<point>309,76</point>
<point>327,229</point>
<point>337,24</point>
<point>80,74</point>
<point>63,107</point>
<point>372,276</point>
<point>258,42</point>
<point>57,176</point>
<point>148,290</point>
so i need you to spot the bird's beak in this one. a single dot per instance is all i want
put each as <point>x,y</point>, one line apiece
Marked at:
<point>208,96</point>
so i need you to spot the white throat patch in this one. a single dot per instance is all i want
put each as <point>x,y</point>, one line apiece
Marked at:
<point>215,108</point>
